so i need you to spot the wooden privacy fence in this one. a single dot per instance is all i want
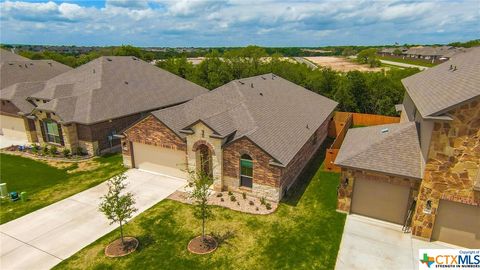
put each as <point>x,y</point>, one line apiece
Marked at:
<point>338,128</point>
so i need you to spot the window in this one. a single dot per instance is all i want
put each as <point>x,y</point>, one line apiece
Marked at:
<point>246,171</point>
<point>52,132</point>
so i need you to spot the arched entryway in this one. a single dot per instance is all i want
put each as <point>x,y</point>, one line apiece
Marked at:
<point>204,159</point>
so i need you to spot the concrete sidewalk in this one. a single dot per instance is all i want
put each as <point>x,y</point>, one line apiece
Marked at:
<point>44,238</point>
<point>373,244</point>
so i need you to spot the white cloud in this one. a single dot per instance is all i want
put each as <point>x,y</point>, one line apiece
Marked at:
<point>237,22</point>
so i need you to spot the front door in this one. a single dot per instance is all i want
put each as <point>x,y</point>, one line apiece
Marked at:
<point>205,160</point>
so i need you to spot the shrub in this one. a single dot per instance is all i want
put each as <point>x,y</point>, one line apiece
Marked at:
<point>45,150</point>
<point>256,208</point>
<point>230,193</point>
<point>79,151</point>
<point>251,203</point>
<point>268,206</point>
<point>232,198</point>
<point>244,195</point>
<point>35,149</point>
<point>219,194</point>
<point>222,200</point>
<point>66,152</point>
<point>53,150</point>
<point>263,201</point>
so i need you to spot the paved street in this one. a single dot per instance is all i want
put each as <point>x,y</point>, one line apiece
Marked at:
<point>42,239</point>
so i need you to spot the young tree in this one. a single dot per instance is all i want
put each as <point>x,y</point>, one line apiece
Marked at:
<point>117,205</point>
<point>200,183</point>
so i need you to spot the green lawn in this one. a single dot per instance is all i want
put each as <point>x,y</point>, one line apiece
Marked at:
<point>304,233</point>
<point>418,62</point>
<point>45,184</point>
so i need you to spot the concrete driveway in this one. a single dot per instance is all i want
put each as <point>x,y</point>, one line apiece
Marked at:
<point>8,141</point>
<point>47,236</point>
<point>373,244</point>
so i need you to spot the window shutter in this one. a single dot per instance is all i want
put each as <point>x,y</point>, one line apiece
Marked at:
<point>60,133</point>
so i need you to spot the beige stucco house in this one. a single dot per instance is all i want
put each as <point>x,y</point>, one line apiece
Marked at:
<point>423,173</point>
<point>253,135</point>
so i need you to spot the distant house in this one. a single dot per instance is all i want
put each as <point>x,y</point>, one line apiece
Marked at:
<point>20,77</point>
<point>391,51</point>
<point>86,107</point>
<point>425,171</point>
<point>253,135</point>
<point>440,53</point>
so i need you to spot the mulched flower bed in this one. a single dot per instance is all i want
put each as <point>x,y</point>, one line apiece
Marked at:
<point>29,153</point>
<point>116,249</point>
<point>202,246</point>
<point>235,201</point>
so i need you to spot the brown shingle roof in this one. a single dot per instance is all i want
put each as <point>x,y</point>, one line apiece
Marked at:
<point>8,56</point>
<point>111,87</point>
<point>12,72</point>
<point>439,89</point>
<point>277,115</point>
<point>18,93</point>
<point>395,152</point>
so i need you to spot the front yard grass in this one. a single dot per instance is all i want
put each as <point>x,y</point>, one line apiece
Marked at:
<point>304,233</point>
<point>46,184</point>
<point>411,61</point>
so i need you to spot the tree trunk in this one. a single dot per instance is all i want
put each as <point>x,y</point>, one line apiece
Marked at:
<point>203,229</point>
<point>121,234</point>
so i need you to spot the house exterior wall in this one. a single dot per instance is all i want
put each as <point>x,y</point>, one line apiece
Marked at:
<point>301,159</point>
<point>68,135</point>
<point>152,132</point>
<point>407,114</point>
<point>453,163</point>
<point>7,108</point>
<point>266,177</point>
<point>347,181</point>
<point>202,134</point>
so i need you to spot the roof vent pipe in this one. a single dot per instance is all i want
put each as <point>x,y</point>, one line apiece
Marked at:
<point>384,130</point>
<point>251,85</point>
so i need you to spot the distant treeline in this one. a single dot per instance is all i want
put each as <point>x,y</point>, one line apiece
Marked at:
<point>365,92</point>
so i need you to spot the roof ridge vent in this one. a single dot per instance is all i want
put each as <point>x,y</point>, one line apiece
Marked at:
<point>384,130</point>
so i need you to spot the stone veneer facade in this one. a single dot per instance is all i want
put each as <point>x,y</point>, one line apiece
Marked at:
<point>452,167</point>
<point>269,180</point>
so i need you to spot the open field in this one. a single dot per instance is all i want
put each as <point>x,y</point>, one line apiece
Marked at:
<point>304,233</point>
<point>340,64</point>
<point>49,182</point>
<point>418,62</point>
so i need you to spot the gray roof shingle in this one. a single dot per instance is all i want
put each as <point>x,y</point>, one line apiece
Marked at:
<point>277,115</point>
<point>439,89</point>
<point>8,56</point>
<point>395,152</point>
<point>112,87</point>
<point>12,72</point>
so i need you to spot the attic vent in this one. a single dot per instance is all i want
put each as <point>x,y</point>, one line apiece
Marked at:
<point>31,64</point>
<point>11,64</point>
<point>242,83</point>
<point>251,85</point>
<point>126,82</point>
<point>93,70</point>
<point>109,59</point>
<point>261,94</point>
<point>263,78</point>
<point>454,68</point>
<point>50,64</point>
<point>384,130</point>
<point>26,66</point>
<point>273,76</point>
<point>307,127</point>
<point>134,58</point>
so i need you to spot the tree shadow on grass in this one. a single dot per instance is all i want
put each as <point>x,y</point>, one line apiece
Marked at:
<point>296,192</point>
<point>222,238</point>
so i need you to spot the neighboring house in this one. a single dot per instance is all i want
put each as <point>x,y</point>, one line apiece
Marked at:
<point>440,53</point>
<point>84,108</point>
<point>253,135</point>
<point>20,77</point>
<point>425,171</point>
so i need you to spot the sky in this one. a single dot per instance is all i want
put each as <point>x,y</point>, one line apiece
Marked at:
<point>212,23</point>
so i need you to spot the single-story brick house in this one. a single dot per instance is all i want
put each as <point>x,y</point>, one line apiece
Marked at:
<point>424,172</point>
<point>86,107</point>
<point>20,77</point>
<point>254,135</point>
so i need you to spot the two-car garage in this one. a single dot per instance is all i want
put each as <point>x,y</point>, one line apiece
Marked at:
<point>12,127</point>
<point>167,161</point>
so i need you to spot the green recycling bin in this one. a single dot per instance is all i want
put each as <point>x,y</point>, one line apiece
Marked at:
<point>23,196</point>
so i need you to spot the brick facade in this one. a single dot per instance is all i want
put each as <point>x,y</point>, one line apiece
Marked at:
<point>453,163</point>
<point>268,180</point>
<point>152,132</point>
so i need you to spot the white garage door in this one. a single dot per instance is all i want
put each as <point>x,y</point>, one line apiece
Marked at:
<point>458,224</point>
<point>159,160</point>
<point>380,200</point>
<point>12,127</point>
